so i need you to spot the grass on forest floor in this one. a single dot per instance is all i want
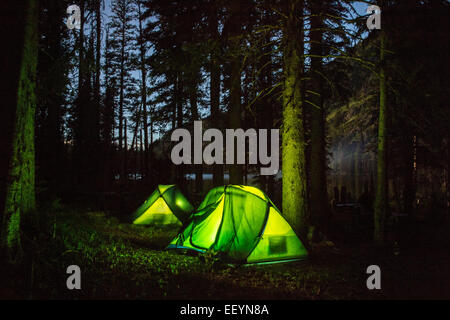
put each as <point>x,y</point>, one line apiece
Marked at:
<point>124,261</point>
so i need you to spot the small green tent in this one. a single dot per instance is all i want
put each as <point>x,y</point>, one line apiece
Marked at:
<point>166,205</point>
<point>243,224</point>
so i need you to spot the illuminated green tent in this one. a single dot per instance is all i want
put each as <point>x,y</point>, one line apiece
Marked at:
<point>243,224</point>
<point>166,205</point>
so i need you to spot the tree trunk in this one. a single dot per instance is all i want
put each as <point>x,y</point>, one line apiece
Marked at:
<point>294,201</point>
<point>81,47</point>
<point>265,111</point>
<point>20,199</point>
<point>179,124</point>
<point>447,174</point>
<point>144,94</point>
<point>96,112</point>
<point>215,86</point>
<point>108,119</point>
<point>49,135</point>
<point>80,107</point>
<point>381,200</point>
<point>195,116</point>
<point>235,111</point>
<point>121,89</point>
<point>125,152</point>
<point>318,183</point>
<point>409,183</point>
<point>358,163</point>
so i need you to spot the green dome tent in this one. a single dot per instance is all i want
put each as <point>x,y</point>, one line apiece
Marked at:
<point>166,205</point>
<point>243,224</point>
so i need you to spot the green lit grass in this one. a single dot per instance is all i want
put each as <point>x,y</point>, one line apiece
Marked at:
<point>125,261</point>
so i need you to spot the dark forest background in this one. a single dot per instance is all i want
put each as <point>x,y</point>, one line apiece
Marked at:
<point>87,114</point>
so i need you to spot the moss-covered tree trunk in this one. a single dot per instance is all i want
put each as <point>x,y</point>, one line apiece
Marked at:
<point>20,195</point>
<point>381,201</point>
<point>294,202</point>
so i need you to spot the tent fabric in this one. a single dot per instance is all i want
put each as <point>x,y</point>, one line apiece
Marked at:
<point>166,205</point>
<point>243,224</point>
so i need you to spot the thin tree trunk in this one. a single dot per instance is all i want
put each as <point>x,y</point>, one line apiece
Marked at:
<point>125,151</point>
<point>79,154</point>
<point>318,183</point>
<point>195,116</point>
<point>108,119</point>
<point>215,86</point>
<point>141,154</point>
<point>81,48</point>
<point>269,108</point>
<point>134,140</point>
<point>409,186</point>
<point>265,111</point>
<point>179,124</point>
<point>122,130</point>
<point>381,200</point>
<point>236,170</point>
<point>446,146</point>
<point>143,93</point>
<point>96,111</point>
<point>121,88</point>
<point>358,165</point>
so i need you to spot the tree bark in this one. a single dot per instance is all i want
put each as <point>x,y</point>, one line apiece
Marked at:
<point>143,93</point>
<point>108,118</point>
<point>409,183</point>
<point>265,110</point>
<point>381,200</point>
<point>318,183</point>
<point>20,199</point>
<point>294,191</point>
<point>121,87</point>
<point>198,168</point>
<point>178,97</point>
<point>95,143</point>
<point>215,85</point>
<point>235,112</point>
